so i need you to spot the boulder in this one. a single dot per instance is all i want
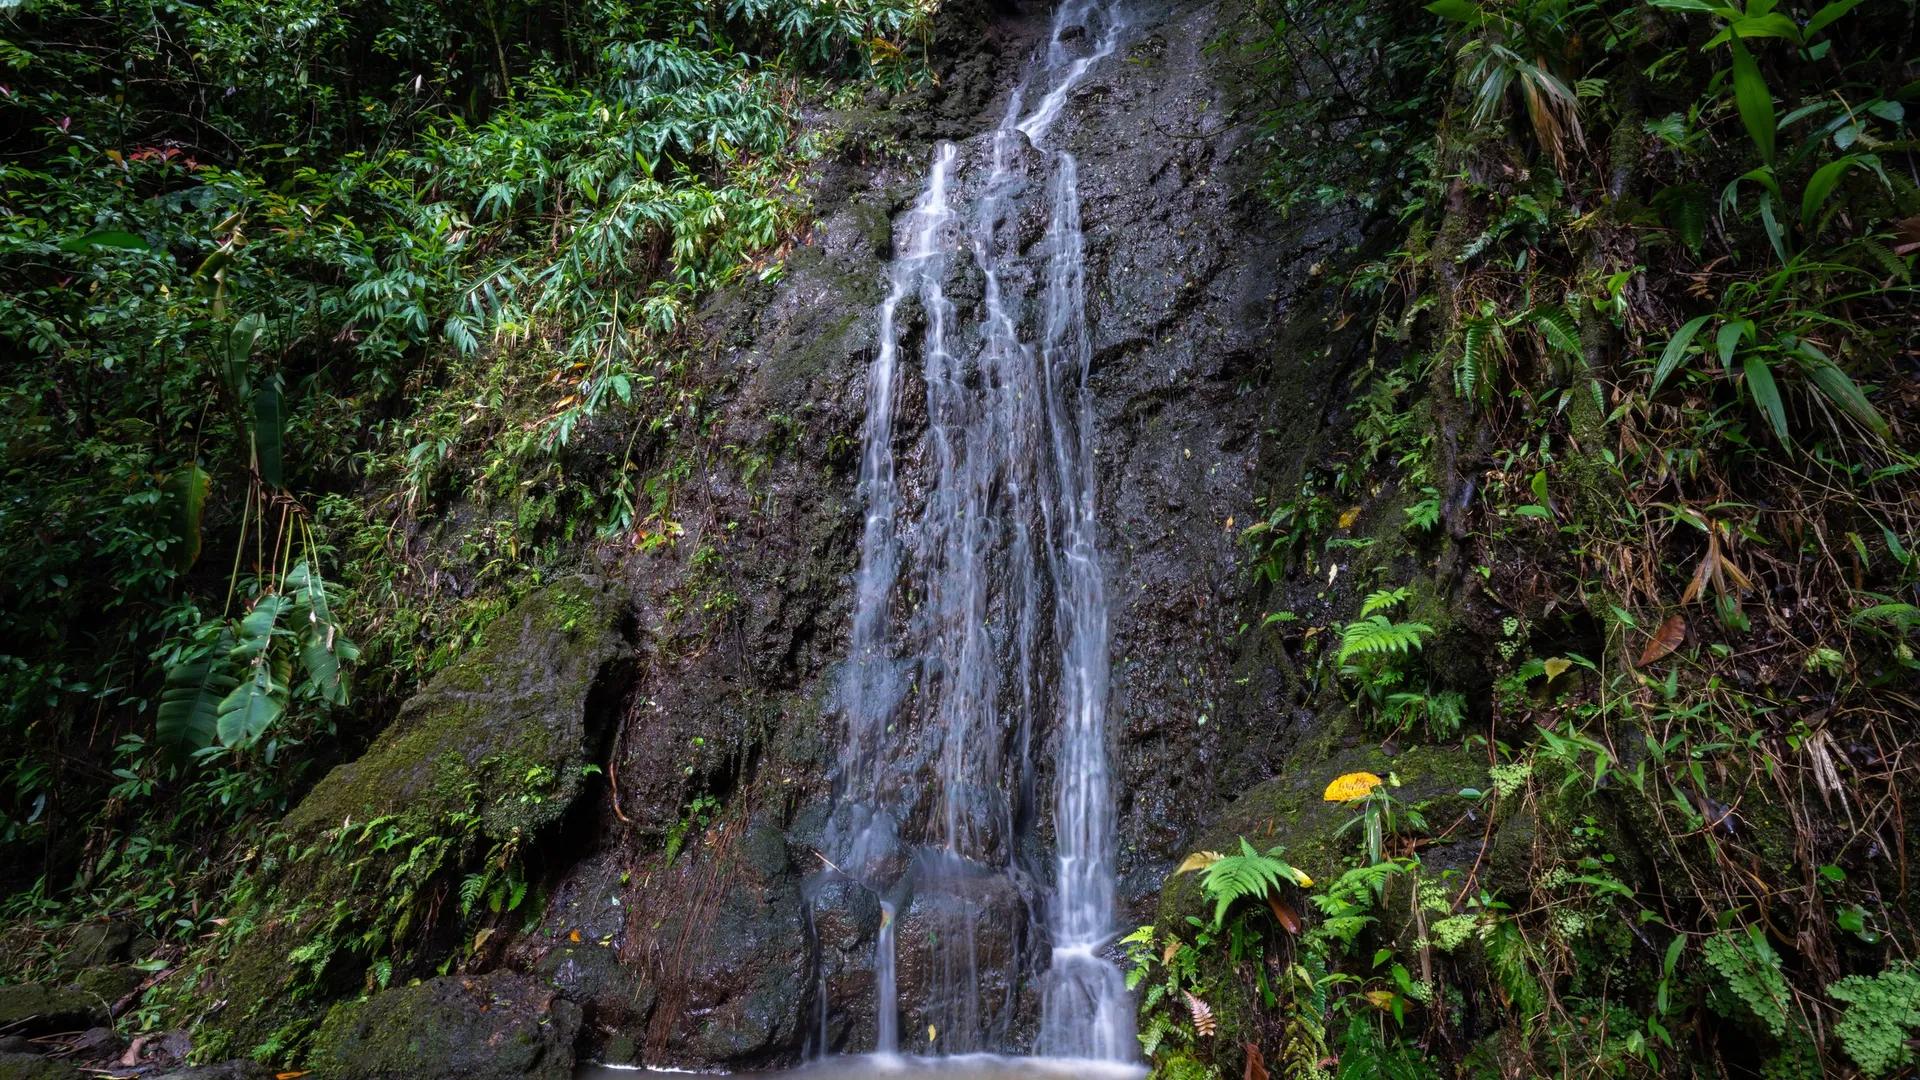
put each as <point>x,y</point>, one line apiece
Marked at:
<point>501,1026</point>
<point>226,1070</point>
<point>35,1067</point>
<point>489,756</point>
<point>36,1008</point>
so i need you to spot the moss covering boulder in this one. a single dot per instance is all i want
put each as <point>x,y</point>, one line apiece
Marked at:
<point>36,1008</point>
<point>489,1027</point>
<point>363,886</point>
<point>35,1067</point>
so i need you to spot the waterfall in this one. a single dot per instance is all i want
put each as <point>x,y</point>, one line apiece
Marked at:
<point>982,625</point>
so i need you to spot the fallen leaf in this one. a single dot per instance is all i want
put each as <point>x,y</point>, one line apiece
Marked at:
<point>1664,641</point>
<point>1284,914</point>
<point>1380,999</point>
<point>1256,1064</point>
<point>1349,516</point>
<point>1557,666</point>
<point>291,1075</point>
<point>1173,949</point>
<point>1199,860</point>
<point>573,936</point>
<point>480,938</point>
<point>1351,786</point>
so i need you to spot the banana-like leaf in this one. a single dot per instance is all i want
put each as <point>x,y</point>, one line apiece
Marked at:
<point>260,626</point>
<point>323,648</point>
<point>1766,393</point>
<point>189,713</point>
<point>252,707</point>
<point>187,496</point>
<point>268,434</point>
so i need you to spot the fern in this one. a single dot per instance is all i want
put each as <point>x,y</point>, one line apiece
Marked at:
<point>1377,635</point>
<point>1882,1017</point>
<point>1751,971</point>
<point>1231,878</point>
<point>1383,600</point>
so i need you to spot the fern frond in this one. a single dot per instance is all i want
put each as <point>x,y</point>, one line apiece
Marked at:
<point>1378,635</point>
<point>1556,325</point>
<point>1248,875</point>
<point>1203,1020</point>
<point>1383,599</point>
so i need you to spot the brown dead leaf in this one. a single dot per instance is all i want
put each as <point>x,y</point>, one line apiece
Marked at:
<point>573,936</point>
<point>1256,1064</point>
<point>1199,860</point>
<point>1668,638</point>
<point>1283,913</point>
<point>1203,1021</point>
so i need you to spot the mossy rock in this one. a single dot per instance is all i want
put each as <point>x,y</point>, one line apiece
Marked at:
<point>35,1067</point>
<point>514,705</point>
<point>488,757</point>
<point>1290,812</point>
<point>35,1008</point>
<point>501,1026</point>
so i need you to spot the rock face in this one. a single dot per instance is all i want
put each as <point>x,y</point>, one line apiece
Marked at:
<point>683,910</point>
<point>704,886</point>
<point>491,1027</point>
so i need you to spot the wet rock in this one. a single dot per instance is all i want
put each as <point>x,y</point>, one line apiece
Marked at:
<point>109,984</point>
<point>36,1008</point>
<point>35,1067</point>
<point>15,1044</point>
<point>97,943</point>
<point>226,1070</point>
<point>490,1027</point>
<point>95,1043</point>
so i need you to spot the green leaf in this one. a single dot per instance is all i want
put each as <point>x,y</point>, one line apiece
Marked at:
<point>189,712</point>
<point>1753,99</point>
<point>187,499</point>
<point>1676,351</point>
<point>1460,11</point>
<point>268,434</point>
<point>1821,185</point>
<point>259,627</point>
<point>104,238</point>
<point>1728,339</point>
<point>252,707</point>
<point>1845,393</point>
<point>1826,15</point>
<point>1766,393</point>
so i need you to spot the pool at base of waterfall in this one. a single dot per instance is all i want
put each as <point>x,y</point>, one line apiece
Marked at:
<point>905,1067</point>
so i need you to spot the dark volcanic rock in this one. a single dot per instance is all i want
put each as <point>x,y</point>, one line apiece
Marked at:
<point>489,1027</point>
<point>36,1008</point>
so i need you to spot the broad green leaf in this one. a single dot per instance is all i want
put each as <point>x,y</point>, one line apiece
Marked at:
<point>189,712</point>
<point>104,238</point>
<point>1676,351</point>
<point>268,433</point>
<point>1766,393</point>
<point>1461,11</point>
<point>1753,99</point>
<point>252,707</point>
<point>258,628</point>
<point>187,499</point>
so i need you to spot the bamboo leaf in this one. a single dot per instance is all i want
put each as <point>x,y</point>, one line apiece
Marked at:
<point>1766,393</point>
<point>1845,393</point>
<point>1676,351</point>
<point>1753,99</point>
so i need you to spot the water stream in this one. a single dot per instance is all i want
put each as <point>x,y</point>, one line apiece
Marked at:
<point>980,626</point>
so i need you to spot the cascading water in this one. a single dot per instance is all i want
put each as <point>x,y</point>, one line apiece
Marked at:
<point>935,773</point>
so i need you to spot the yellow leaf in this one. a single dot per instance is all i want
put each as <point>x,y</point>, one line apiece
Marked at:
<point>480,938</point>
<point>1348,517</point>
<point>1172,950</point>
<point>1557,666</point>
<point>1199,860</point>
<point>931,1032</point>
<point>1353,785</point>
<point>1380,999</point>
<point>573,936</point>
